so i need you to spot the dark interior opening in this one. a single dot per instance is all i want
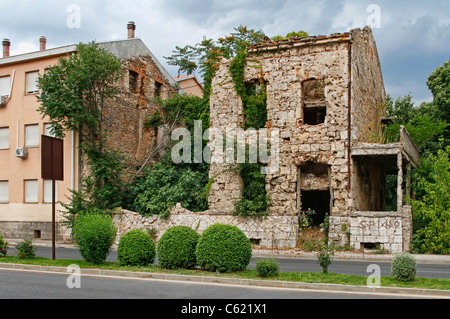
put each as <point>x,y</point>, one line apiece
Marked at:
<point>37,234</point>
<point>319,201</point>
<point>132,81</point>
<point>314,115</point>
<point>370,245</point>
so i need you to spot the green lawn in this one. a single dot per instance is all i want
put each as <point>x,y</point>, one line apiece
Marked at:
<point>309,277</point>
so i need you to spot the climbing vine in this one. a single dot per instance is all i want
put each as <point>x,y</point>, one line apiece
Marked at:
<point>253,94</point>
<point>254,200</point>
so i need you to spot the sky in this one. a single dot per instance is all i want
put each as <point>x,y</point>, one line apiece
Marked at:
<point>412,37</point>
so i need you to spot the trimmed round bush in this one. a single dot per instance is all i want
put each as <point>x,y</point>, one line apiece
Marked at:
<point>267,267</point>
<point>404,267</point>
<point>136,248</point>
<point>176,248</point>
<point>223,248</point>
<point>94,235</point>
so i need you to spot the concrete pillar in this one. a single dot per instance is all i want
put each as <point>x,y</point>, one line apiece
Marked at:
<point>400,182</point>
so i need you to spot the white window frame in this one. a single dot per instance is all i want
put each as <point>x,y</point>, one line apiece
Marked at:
<point>4,138</point>
<point>31,191</point>
<point>48,191</point>
<point>5,85</point>
<point>30,139</point>
<point>4,192</point>
<point>31,88</point>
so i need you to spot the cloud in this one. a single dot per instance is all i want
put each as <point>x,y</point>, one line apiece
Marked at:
<point>412,41</point>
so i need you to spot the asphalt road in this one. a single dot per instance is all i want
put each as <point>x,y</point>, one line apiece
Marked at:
<point>19,284</point>
<point>347,267</point>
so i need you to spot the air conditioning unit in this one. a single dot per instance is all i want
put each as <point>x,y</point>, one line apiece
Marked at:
<point>4,99</point>
<point>21,152</point>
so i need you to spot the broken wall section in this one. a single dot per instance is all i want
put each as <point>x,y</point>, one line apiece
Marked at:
<point>125,114</point>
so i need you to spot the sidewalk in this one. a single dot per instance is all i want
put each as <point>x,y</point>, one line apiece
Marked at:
<point>283,253</point>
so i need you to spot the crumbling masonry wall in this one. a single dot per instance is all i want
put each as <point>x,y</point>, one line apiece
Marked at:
<point>124,115</point>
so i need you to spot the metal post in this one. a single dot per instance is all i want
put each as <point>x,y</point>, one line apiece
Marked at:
<point>53,219</point>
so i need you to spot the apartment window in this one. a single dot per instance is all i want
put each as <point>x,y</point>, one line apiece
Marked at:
<point>31,191</point>
<point>32,135</point>
<point>48,191</point>
<point>4,192</point>
<point>5,85</point>
<point>32,82</point>
<point>48,130</point>
<point>4,138</point>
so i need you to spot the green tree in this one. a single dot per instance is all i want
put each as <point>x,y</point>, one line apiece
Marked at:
<point>439,84</point>
<point>432,212</point>
<point>74,95</point>
<point>206,55</point>
<point>422,123</point>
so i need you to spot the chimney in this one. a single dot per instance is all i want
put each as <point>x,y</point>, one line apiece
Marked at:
<point>131,28</point>
<point>43,43</point>
<point>6,45</point>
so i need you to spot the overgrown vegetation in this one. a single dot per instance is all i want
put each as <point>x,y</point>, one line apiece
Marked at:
<point>429,127</point>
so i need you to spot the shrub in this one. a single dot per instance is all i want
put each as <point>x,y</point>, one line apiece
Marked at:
<point>94,235</point>
<point>267,267</point>
<point>26,250</point>
<point>3,246</point>
<point>223,248</point>
<point>136,248</point>
<point>325,256</point>
<point>176,247</point>
<point>404,267</point>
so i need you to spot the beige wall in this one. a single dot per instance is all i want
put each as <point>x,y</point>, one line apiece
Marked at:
<point>19,112</point>
<point>190,85</point>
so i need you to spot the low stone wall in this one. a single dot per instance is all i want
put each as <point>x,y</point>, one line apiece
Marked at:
<point>391,230</point>
<point>268,232</point>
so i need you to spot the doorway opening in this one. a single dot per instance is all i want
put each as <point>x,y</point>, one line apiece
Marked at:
<point>317,201</point>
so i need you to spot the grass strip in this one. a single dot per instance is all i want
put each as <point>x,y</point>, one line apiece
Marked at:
<point>307,277</point>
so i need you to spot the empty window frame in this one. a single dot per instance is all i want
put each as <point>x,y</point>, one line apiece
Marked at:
<point>48,191</point>
<point>4,192</point>
<point>132,81</point>
<point>314,115</point>
<point>158,88</point>
<point>4,138</point>
<point>31,191</point>
<point>32,82</point>
<point>314,104</point>
<point>32,135</point>
<point>5,85</point>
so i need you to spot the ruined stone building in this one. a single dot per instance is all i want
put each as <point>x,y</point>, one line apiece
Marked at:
<point>325,96</point>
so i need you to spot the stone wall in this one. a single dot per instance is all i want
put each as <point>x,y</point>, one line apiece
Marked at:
<point>270,232</point>
<point>391,231</point>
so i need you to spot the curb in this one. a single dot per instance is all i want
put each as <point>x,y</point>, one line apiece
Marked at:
<point>431,293</point>
<point>422,259</point>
